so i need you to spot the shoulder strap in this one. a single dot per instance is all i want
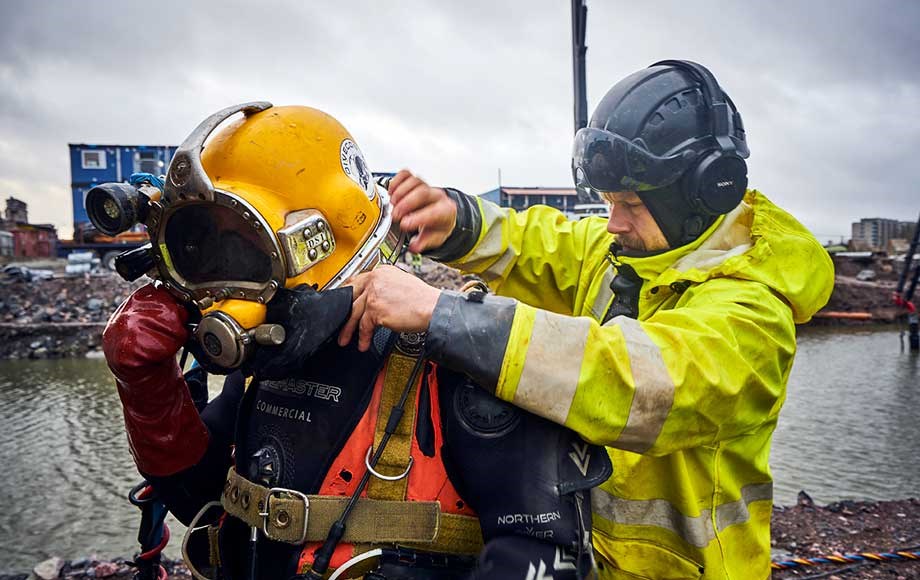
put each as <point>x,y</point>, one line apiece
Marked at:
<point>396,456</point>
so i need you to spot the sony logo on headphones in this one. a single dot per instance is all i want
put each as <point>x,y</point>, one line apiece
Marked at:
<point>724,183</point>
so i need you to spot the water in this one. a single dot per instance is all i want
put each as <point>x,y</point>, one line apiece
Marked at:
<point>849,429</point>
<point>65,468</point>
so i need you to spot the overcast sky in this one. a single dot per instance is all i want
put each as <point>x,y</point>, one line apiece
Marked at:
<point>829,90</point>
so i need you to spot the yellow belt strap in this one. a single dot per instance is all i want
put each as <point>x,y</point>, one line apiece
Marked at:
<point>395,458</point>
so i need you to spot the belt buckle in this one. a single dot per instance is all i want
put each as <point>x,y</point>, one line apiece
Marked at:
<point>275,492</point>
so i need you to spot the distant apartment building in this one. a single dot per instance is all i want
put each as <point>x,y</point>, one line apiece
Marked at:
<point>875,233</point>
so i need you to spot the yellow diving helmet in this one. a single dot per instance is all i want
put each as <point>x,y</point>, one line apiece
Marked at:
<point>281,196</point>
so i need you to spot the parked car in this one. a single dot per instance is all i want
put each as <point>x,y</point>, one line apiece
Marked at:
<point>14,273</point>
<point>866,275</point>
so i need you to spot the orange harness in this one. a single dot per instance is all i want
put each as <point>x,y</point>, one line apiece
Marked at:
<point>426,480</point>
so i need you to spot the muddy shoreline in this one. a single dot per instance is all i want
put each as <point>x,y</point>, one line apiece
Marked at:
<point>804,530</point>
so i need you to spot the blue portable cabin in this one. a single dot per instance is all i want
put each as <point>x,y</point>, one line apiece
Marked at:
<point>91,165</point>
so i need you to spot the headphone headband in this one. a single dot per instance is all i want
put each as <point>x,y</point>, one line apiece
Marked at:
<point>718,180</point>
<point>721,114</point>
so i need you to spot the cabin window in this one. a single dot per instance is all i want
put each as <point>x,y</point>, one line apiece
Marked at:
<point>93,159</point>
<point>147,162</point>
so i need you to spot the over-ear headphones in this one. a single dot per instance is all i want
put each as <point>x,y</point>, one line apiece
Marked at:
<point>716,183</point>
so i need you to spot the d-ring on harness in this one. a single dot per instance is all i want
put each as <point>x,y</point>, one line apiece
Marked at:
<point>378,475</point>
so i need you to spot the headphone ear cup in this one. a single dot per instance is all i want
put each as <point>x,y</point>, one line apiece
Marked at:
<point>717,184</point>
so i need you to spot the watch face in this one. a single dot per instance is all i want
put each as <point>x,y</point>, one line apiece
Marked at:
<point>483,414</point>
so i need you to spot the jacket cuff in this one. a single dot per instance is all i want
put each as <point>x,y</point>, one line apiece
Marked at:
<point>469,333</point>
<point>466,231</point>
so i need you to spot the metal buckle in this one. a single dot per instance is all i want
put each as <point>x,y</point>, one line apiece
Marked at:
<point>276,491</point>
<point>378,475</point>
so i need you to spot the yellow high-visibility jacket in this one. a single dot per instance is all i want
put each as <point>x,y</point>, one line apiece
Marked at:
<point>685,397</point>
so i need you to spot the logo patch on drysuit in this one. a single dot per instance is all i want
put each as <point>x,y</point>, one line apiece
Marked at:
<point>355,167</point>
<point>300,387</point>
<point>283,412</point>
<point>580,457</point>
<point>561,562</point>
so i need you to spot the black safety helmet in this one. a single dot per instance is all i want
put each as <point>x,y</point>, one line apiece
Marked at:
<point>669,133</point>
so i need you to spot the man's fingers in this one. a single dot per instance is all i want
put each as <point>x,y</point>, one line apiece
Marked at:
<point>404,187</point>
<point>358,283</point>
<point>357,312</point>
<point>401,176</point>
<point>366,331</point>
<point>431,217</point>
<point>421,242</point>
<point>420,196</point>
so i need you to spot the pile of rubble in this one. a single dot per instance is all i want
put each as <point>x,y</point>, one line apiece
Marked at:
<point>80,299</point>
<point>92,567</point>
<point>874,297</point>
<point>808,530</point>
<point>64,316</point>
<point>438,275</point>
<point>61,317</point>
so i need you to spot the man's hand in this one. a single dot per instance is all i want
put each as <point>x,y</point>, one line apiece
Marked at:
<point>418,207</point>
<point>388,297</point>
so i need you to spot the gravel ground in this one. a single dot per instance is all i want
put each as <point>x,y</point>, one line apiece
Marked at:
<point>809,531</point>
<point>804,530</point>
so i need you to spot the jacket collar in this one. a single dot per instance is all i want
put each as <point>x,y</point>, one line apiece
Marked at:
<point>731,235</point>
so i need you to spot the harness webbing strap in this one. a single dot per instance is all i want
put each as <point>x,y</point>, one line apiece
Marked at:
<point>214,546</point>
<point>371,521</point>
<point>457,534</point>
<point>395,458</point>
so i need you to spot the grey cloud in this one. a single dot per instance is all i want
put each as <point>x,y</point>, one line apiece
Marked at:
<point>457,90</point>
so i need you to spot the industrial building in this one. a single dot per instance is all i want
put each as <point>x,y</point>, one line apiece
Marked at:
<point>561,198</point>
<point>20,239</point>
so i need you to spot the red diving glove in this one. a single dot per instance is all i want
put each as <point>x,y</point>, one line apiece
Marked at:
<point>165,432</point>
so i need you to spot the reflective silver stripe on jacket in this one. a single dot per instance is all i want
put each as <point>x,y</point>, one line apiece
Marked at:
<point>654,388</point>
<point>490,247</point>
<point>552,365</point>
<point>695,530</point>
<point>604,295</point>
<point>736,512</point>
